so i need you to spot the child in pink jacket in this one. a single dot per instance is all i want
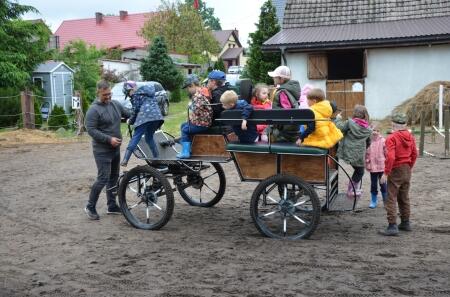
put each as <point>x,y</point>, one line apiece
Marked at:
<point>375,157</point>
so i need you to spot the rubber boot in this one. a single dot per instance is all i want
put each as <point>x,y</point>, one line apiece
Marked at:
<point>126,157</point>
<point>186,151</point>
<point>350,193</point>
<point>373,202</point>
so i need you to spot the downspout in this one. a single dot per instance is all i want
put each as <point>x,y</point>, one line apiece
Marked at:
<point>283,56</point>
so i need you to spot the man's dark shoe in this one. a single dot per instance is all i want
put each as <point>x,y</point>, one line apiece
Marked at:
<point>91,213</point>
<point>391,230</point>
<point>405,226</point>
<point>114,210</point>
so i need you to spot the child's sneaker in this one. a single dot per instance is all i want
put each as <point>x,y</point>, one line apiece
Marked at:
<point>405,226</point>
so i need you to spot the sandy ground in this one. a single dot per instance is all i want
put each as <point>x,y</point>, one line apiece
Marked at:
<point>49,248</point>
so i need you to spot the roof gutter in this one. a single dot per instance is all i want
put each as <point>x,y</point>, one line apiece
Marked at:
<point>375,43</point>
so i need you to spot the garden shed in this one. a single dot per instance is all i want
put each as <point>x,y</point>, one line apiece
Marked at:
<point>56,79</point>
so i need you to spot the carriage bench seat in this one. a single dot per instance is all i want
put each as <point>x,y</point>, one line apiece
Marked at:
<point>276,148</point>
<point>256,147</point>
<point>292,148</point>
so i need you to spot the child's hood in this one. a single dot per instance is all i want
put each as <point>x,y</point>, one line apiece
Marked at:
<point>404,137</point>
<point>323,108</point>
<point>292,87</point>
<point>147,90</point>
<point>358,131</point>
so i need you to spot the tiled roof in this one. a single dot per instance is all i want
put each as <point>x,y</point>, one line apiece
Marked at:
<point>222,37</point>
<point>111,32</point>
<point>232,53</point>
<point>426,30</point>
<point>311,13</point>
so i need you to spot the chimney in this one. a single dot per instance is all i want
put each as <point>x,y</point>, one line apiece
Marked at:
<point>123,14</point>
<point>236,31</point>
<point>98,18</point>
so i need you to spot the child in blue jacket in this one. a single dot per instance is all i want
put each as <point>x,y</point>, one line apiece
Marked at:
<point>246,133</point>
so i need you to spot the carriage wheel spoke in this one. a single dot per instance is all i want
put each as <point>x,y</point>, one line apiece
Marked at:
<point>285,192</point>
<point>300,220</point>
<point>272,199</point>
<point>269,213</point>
<point>155,205</point>
<point>301,202</point>
<point>210,188</point>
<point>210,175</point>
<point>284,226</point>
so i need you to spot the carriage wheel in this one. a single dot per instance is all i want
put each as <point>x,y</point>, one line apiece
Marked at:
<point>293,213</point>
<point>146,198</point>
<point>204,188</point>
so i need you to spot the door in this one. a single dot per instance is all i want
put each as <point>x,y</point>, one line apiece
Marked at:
<point>346,93</point>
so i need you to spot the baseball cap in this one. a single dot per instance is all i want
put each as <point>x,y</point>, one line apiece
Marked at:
<point>217,75</point>
<point>399,118</point>
<point>281,71</point>
<point>189,80</point>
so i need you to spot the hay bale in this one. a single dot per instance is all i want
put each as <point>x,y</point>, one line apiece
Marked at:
<point>426,99</point>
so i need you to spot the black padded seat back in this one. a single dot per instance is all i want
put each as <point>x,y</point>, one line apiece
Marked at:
<point>268,117</point>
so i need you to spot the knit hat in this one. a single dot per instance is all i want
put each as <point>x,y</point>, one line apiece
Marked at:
<point>281,71</point>
<point>399,118</point>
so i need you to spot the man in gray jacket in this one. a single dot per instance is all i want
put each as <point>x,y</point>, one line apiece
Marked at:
<point>103,125</point>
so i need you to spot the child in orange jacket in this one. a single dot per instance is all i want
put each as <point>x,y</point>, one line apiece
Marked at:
<point>260,100</point>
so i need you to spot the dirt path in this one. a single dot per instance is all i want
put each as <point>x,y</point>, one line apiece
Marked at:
<point>49,248</point>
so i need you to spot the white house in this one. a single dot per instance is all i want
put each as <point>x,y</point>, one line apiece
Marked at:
<point>376,53</point>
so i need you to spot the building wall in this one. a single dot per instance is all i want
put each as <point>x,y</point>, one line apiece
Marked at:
<point>397,74</point>
<point>393,74</point>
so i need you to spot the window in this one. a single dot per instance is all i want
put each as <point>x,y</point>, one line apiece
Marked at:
<point>37,81</point>
<point>317,66</point>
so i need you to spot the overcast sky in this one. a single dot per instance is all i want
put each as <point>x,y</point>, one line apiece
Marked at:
<point>240,14</point>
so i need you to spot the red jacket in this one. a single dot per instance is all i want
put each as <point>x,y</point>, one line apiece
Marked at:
<point>400,149</point>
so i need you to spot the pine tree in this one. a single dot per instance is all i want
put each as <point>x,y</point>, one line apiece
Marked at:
<point>57,118</point>
<point>158,66</point>
<point>219,65</point>
<point>260,63</point>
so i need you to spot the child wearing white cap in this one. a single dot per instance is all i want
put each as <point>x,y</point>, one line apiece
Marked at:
<point>286,96</point>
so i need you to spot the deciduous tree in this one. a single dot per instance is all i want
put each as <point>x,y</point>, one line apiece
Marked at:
<point>23,44</point>
<point>183,30</point>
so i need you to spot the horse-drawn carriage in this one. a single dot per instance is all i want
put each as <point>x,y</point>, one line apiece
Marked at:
<point>295,183</point>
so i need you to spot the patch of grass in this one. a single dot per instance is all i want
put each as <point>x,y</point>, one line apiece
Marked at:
<point>177,115</point>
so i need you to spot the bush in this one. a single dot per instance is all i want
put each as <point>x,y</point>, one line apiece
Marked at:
<point>58,118</point>
<point>175,95</point>
<point>10,108</point>
<point>219,65</point>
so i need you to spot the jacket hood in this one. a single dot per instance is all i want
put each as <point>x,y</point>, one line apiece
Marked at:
<point>293,87</point>
<point>147,90</point>
<point>358,131</point>
<point>405,138</point>
<point>323,108</point>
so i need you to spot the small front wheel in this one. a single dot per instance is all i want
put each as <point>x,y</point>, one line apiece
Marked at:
<point>285,207</point>
<point>204,188</point>
<point>146,198</point>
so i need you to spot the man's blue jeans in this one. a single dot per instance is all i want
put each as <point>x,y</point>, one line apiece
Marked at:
<point>148,129</point>
<point>187,130</point>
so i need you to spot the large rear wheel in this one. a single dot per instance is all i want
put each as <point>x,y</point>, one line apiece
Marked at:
<point>285,207</point>
<point>146,198</point>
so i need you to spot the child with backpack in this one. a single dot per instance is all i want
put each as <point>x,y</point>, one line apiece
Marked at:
<point>352,148</point>
<point>146,118</point>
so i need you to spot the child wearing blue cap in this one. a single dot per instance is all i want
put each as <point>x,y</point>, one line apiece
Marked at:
<point>200,115</point>
<point>217,85</point>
